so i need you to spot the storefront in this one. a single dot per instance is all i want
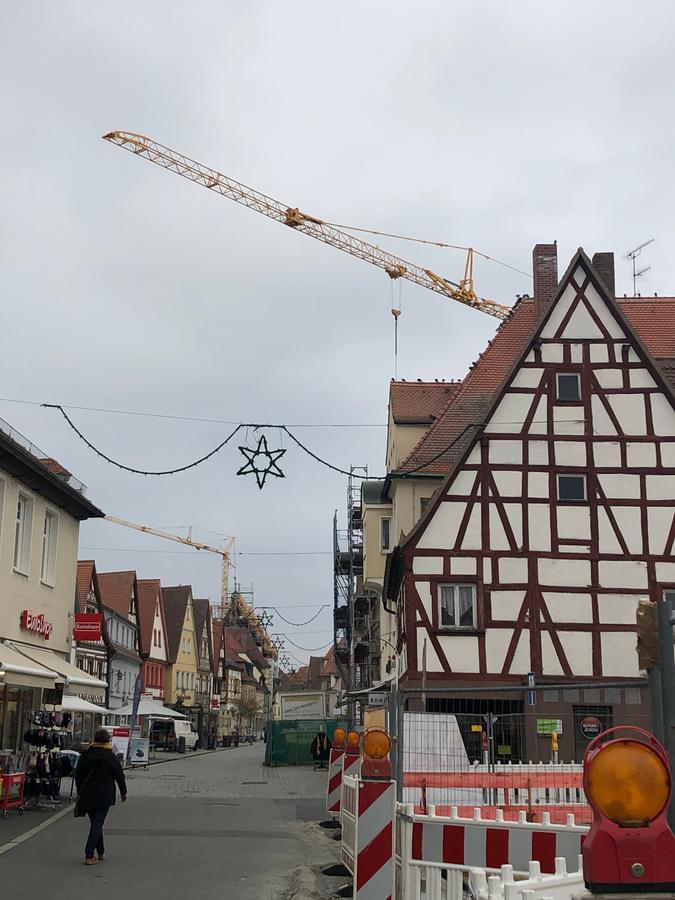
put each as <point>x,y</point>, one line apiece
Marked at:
<point>22,682</point>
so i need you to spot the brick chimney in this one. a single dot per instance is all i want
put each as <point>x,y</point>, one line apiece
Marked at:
<point>545,272</point>
<point>603,263</point>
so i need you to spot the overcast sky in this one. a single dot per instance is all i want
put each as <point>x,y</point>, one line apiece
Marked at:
<point>125,287</point>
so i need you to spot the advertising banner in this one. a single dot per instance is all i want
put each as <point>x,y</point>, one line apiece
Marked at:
<point>120,740</point>
<point>139,754</point>
<point>88,627</point>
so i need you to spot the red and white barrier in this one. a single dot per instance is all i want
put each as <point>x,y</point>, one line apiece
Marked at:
<point>368,818</point>
<point>334,785</point>
<point>351,765</point>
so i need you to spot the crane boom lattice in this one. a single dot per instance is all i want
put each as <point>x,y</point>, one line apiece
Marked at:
<point>393,265</point>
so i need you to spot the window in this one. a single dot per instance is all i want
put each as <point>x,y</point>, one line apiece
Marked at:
<point>568,386</point>
<point>50,533</point>
<point>385,534</point>
<point>159,638</point>
<point>572,488</point>
<point>424,504</point>
<point>457,605</point>
<point>22,534</point>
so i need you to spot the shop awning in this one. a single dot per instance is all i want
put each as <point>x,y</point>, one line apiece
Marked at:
<point>67,674</point>
<point>77,704</point>
<point>17,670</point>
<point>148,707</point>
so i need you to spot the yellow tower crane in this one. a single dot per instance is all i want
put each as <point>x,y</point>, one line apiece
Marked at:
<point>395,267</point>
<point>235,601</point>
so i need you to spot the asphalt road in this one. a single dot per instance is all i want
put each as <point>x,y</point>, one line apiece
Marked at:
<point>212,826</point>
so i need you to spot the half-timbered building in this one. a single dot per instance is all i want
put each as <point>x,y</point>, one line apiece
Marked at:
<point>557,511</point>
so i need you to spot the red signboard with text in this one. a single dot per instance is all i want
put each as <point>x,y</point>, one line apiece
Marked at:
<point>88,627</point>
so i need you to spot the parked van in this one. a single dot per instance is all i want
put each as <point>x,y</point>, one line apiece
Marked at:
<point>183,728</point>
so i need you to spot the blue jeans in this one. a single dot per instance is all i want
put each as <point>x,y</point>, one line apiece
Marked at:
<point>95,839</point>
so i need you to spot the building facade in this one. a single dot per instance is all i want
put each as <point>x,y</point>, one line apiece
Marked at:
<point>153,637</point>
<point>557,511</point>
<point>119,596</point>
<point>41,507</point>
<point>181,682</point>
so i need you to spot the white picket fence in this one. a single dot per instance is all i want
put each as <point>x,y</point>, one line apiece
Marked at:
<point>430,879</point>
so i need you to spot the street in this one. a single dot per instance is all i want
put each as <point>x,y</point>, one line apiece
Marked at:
<point>206,826</point>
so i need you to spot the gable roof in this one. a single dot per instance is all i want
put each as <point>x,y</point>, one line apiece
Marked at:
<point>117,589</point>
<point>631,318</point>
<point>651,319</point>
<point>232,650</point>
<point>247,645</point>
<point>175,600</point>
<point>84,581</point>
<point>149,591</point>
<point>419,402</point>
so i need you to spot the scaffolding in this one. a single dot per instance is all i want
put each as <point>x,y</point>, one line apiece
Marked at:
<point>351,630</point>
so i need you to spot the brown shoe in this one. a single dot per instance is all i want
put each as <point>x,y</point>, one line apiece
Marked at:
<point>91,861</point>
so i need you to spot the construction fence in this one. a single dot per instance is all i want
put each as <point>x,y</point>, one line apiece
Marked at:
<point>289,741</point>
<point>504,755</point>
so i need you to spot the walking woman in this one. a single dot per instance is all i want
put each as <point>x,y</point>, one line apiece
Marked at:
<point>97,772</point>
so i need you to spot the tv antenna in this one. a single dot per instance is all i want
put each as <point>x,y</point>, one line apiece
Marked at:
<point>633,255</point>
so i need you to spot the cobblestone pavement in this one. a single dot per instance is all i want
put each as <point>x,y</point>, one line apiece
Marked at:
<point>214,825</point>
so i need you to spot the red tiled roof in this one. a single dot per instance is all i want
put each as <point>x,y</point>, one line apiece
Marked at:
<point>468,404</point>
<point>149,589</point>
<point>419,402</point>
<point>653,319</point>
<point>55,467</point>
<point>116,590</point>
<point>85,573</point>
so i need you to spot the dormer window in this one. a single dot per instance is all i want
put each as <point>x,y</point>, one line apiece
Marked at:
<point>568,387</point>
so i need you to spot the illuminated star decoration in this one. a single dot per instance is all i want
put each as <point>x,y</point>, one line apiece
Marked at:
<point>261,462</point>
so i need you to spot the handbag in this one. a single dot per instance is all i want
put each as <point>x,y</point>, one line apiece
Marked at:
<point>78,812</point>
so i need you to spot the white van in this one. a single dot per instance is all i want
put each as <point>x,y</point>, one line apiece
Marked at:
<point>183,728</point>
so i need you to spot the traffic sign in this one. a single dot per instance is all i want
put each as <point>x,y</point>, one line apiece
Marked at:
<point>377,699</point>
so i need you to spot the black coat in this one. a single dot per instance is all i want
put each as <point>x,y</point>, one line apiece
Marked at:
<point>97,772</point>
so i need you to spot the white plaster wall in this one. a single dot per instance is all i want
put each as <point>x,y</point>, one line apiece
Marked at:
<point>578,647</point>
<point>609,378</point>
<point>640,378</point>
<point>668,454</point>
<point>617,609</point>
<point>487,571</point>
<point>538,484</point>
<point>539,420</point>
<point>599,353</point>
<point>498,539</point>
<point>433,663</point>
<point>513,570</point>
<point>623,573</point>
<point>630,412</point>
<point>618,654</point>
<point>509,484</point>
<point>510,414</point>
<point>568,420</point>
<point>427,565</point>
<point>550,663</point>
<point>472,538</point>
<point>660,487</point>
<point>603,312</point>
<point>630,526</point>
<point>607,455</point>
<point>461,651</point>
<point>521,663</point>
<point>497,642</point>
<point>574,522</point>
<point>663,416</point>
<point>424,591</point>
<point>441,531</point>
<point>602,424</point>
<point>463,483</point>
<point>640,455</point>
<point>506,604</point>
<point>619,486</point>
<point>659,520</point>
<point>505,452</point>
<point>665,571</point>
<point>570,453</point>
<point>565,572</point>
<point>463,565</point>
<point>528,378</point>
<point>539,523</point>
<point>607,539</point>
<point>569,607</point>
<point>538,453</point>
<point>581,325</point>
<point>558,313</point>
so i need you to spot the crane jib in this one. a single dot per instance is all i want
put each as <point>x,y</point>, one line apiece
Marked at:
<point>395,267</point>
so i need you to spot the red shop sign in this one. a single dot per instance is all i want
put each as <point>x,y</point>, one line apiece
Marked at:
<point>37,624</point>
<point>88,627</point>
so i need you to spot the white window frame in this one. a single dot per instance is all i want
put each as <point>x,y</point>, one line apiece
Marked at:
<point>23,533</point>
<point>388,548</point>
<point>50,545</point>
<point>571,475</point>
<point>576,375</point>
<point>455,588</point>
